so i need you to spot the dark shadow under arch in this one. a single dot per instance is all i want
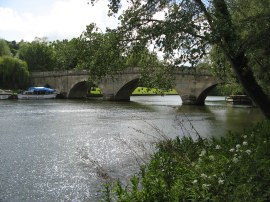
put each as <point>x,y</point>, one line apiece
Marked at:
<point>125,92</point>
<point>201,98</point>
<point>79,90</point>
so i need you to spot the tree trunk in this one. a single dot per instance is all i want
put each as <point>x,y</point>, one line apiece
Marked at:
<point>230,43</point>
<point>249,83</point>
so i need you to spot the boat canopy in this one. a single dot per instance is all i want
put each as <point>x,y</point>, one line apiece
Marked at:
<point>41,89</point>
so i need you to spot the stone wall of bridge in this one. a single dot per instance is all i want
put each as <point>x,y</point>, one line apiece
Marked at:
<point>192,87</point>
<point>63,81</point>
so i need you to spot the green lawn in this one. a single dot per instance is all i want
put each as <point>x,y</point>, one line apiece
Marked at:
<point>152,91</point>
<point>141,91</point>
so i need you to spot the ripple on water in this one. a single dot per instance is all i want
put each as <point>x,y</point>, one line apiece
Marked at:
<point>63,150</point>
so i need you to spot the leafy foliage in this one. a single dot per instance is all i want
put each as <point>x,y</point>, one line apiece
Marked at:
<point>38,55</point>
<point>251,21</point>
<point>100,53</point>
<point>154,72</point>
<point>106,54</point>
<point>172,27</point>
<point>13,73</point>
<point>4,48</point>
<point>66,54</point>
<point>233,168</point>
<point>14,47</point>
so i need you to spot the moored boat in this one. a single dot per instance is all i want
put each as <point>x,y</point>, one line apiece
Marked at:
<point>35,93</point>
<point>239,100</point>
<point>4,94</point>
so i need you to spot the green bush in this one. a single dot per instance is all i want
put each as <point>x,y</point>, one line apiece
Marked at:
<point>14,73</point>
<point>233,168</point>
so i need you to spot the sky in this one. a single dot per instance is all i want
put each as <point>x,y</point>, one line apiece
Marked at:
<point>54,19</point>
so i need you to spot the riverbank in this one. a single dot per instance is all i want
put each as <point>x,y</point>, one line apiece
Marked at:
<point>233,168</point>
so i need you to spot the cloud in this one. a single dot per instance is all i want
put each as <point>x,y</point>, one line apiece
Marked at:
<point>65,19</point>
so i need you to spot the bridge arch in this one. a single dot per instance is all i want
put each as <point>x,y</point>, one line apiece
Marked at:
<point>201,98</point>
<point>193,89</point>
<point>126,90</point>
<point>79,90</point>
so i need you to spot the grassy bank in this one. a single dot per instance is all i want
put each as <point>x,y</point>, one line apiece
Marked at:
<point>141,91</point>
<point>233,168</point>
<point>153,91</point>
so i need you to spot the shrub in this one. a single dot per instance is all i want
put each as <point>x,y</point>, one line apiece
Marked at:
<point>233,168</point>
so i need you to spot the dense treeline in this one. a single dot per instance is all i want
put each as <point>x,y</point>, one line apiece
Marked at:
<point>99,52</point>
<point>18,59</point>
<point>42,55</point>
<point>93,50</point>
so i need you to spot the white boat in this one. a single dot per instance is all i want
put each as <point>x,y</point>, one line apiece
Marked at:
<point>4,94</point>
<point>36,93</point>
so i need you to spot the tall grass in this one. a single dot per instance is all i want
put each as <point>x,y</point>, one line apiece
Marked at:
<point>233,168</point>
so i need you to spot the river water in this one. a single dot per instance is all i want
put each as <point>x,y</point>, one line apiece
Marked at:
<point>63,150</point>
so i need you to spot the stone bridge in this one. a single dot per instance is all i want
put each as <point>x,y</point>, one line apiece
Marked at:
<point>192,86</point>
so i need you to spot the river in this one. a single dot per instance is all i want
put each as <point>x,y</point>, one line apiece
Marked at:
<point>62,150</point>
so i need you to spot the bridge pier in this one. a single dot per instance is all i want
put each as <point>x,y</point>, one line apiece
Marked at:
<point>108,97</point>
<point>191,100</point>
<point>188,99</point>
<point>112,97</point>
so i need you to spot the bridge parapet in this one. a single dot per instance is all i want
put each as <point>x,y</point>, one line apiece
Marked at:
<point>60,73</point>
<point>192,71</point>
<point>129,70</point>
<point>176,70</point>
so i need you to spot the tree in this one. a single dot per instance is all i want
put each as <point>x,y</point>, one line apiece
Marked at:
<point>13,73</point>
<point>106,54</point>
<point>4,48</point>
<point>185,31</point>
<point>252,18</point>
<point>66,53</point>
<point>14,47</point>
<point>154,72</point>
<point>38,55</point>
<point>99,52</point>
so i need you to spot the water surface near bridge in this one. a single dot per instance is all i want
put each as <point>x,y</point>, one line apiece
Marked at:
<point>56,150</point>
